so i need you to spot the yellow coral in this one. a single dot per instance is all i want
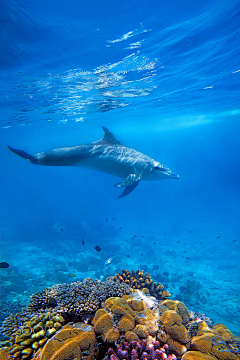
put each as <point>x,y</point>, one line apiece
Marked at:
<point>141,331</point>
<point>137,305</point>
<point>173,326</point>
<point>202,343</point>
<point>111,336</point>
<point>127,323</point>
<point>176,347</point>
<point>5,354</point>
<point>121,307</point>
<point>196,355</point>
<point>177,306</point>
<point>131,336</point>
<point>203,328</point>
<point>222,330</point>
<point>102,322</point>
<point>221,352</point>
<point>69,343</point>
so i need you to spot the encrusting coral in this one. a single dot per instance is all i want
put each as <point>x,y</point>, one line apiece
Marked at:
<point>124,323</point>
<point>142,281</point>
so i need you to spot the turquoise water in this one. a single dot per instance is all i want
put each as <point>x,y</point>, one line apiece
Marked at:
<point>164,79</point>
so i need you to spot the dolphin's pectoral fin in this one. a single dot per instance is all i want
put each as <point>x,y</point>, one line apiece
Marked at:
<point>129,189</point>
<point>129,182</point>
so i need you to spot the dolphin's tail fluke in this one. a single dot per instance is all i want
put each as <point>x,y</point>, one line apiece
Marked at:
<point>24,155</point>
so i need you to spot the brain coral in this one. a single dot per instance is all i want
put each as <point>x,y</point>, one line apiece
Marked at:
<point>71,342</point>
<point>173,326</point>
<point>176,347</point>
<point>177,306</point>
<point>104,326</point>
<point>196,355</point>
<point>140,280</point>
<point>77,298</point>
<point>222,330</point>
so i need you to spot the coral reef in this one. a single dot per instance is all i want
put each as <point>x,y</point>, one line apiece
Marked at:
<point>142,281</point>
<point>33,333</point>
<point>139,350</point>
<point>120,322</point>
<point>76,341</point>
<point>120,319</point>
<point>77,298</point>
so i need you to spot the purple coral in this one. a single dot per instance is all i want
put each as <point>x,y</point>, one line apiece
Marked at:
<point>139,351</point>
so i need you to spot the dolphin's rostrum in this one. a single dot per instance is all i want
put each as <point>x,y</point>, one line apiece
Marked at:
<point>107,155</point>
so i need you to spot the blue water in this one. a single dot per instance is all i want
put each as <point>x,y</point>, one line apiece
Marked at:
<point>165,79</point>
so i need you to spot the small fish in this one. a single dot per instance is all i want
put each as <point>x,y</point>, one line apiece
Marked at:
<point>218,237</point>
<point>154,243</point>
<point>110,260</point>
<point>190,231</point>
<point>106,219</point>
<point>178,241</point>
<point>4,265</point>
<point>128,256</point>
<point>234,240</point>
<point>188,258</point>
<point>98,248</point>
<point>201,243</point>
<point>113,218</point>
<point>120,228</point>
<point>83,242</point>
<point>185,251</point>
<point>73,275</point>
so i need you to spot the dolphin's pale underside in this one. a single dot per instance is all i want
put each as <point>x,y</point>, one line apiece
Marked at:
<point>107,155</point>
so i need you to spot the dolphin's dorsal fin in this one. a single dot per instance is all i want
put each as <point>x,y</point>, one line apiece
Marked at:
<point>109,138</point>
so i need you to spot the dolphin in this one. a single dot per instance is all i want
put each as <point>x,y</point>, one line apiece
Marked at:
<point>106,155</point>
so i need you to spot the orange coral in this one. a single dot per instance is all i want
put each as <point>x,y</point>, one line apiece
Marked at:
<point>202,343</point>
<point>203,328</point>
<point>177,306</point>
<point>69,343</point>
<point>131,336</point>
<point>221,352</point>
<point>137,305</point>
<point>121,307</point>
<point>176,347</point>
<point>102,322</point>
<point>173,326</point>
<point>104,326</point>
<point>197,355</point>
<point>222,330</point>
<point>141,331</point>
<point>126,324</point>
<point>5,354</point>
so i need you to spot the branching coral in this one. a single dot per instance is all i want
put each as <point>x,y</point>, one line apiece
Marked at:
<point>142,281</point>
<point>139,350</point>
<point>77,298</point>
